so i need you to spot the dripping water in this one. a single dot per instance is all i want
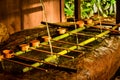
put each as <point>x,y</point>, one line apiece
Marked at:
<point>48,31</point>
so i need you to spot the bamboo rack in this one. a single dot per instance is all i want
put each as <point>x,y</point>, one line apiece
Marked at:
<point>53,57</point>
<point>56,38</point>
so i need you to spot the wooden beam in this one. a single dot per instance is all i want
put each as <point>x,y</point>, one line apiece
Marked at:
<point>118,11</point>
<point>77,9</point>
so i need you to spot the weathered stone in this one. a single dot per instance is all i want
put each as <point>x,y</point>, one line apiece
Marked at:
<point>4,35</point>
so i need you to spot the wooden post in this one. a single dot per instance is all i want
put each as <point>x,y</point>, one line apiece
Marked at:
<point>118,11</point>
<point>60,10</point>
<point>77,10</point>
<point>21,14</point>
<point>62,14</point>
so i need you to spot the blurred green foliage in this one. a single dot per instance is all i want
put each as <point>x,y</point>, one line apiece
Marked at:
<point>104,8</point>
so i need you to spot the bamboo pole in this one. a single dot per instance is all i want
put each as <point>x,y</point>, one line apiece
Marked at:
<point>71,43</point>
<point>99,27</point>
<point>51,58</point>
<point>36,60</point>
<point>63,48</point>
<point>28,65</point>
<point>47,52</point>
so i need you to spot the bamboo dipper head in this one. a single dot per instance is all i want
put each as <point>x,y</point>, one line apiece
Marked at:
<point>61,30</point>
<point>80,23</point>
<point>46,38</point>
<point>89,21</point>
<point>24,47</point>
<point>8,53</point>
<point>35,43</point>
